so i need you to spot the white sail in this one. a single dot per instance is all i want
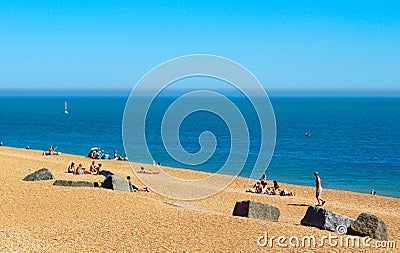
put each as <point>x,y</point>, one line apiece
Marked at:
<point>65,107</point>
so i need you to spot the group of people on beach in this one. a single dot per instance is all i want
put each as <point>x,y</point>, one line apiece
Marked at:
<point>94,169</point>
<point>99,154</point>
<point>97,170</point>
<point>156,164</point>
<point>96,153</point>
<point>261,187</point>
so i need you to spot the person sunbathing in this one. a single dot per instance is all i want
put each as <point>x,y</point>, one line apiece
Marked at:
<point>265,188</point>
<point>52,150</point>
<point>257,188</point>
<point>80,170</point>
<point>98,169</point>
<point>93,168</point>
<point>136,188</point>
<point>71,168</point>
<point>93,154</point>
<point>264,178</point>
<point>143,171</point>
<point>276,190</point>
<point>280,192</point>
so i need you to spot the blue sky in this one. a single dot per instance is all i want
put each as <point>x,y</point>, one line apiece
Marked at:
<point>290,45</point>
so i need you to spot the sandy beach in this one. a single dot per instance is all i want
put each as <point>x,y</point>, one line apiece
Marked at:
<point>40,217</point>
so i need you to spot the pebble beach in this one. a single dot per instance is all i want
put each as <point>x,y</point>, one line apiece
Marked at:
<point>39,217</point>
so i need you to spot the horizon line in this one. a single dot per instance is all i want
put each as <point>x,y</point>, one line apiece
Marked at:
<point>274,92</point>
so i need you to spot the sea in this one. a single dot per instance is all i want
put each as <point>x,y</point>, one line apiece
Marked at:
<point>353,142</point>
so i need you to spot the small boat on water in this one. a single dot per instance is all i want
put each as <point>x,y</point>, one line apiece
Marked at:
<point>65,107</point>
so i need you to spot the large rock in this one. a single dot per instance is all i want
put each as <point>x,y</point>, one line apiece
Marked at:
<point>42,174</point>
<point>369,225</point>
<point>256,210</point>
<point>74,183</point>
<point>118,183</point>
<point>326,219</point>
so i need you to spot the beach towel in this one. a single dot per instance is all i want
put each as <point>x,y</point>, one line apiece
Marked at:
<point>148,172</point>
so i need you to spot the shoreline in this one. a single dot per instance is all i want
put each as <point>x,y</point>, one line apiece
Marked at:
<point>204,173</point>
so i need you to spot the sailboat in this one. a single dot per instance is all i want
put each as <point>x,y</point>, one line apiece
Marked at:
<point>65,107</point>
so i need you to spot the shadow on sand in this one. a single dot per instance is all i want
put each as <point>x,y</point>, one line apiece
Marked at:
<point>298,205</point>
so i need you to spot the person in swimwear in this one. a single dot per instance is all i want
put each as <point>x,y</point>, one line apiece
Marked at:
<point>71,168</point>
<point>318,191</point>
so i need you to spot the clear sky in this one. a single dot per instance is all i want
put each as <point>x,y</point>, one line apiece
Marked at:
<point>286,44</point>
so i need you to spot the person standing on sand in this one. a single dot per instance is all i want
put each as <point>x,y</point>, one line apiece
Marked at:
<point>318,187</point>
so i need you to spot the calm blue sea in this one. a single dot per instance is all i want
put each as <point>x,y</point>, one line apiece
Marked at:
<point>354,142</point>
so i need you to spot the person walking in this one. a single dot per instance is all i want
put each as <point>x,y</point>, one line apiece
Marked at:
<point>318,191</point>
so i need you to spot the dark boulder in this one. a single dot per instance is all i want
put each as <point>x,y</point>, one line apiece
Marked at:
<point>326,219</point>
<point>369,225</point>
<point>256,210</point>
<point>42,174</point>
<point>106,173</point>
<point>117,183</point>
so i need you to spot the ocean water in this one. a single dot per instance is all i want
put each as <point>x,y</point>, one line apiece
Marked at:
<point>354,142</point>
